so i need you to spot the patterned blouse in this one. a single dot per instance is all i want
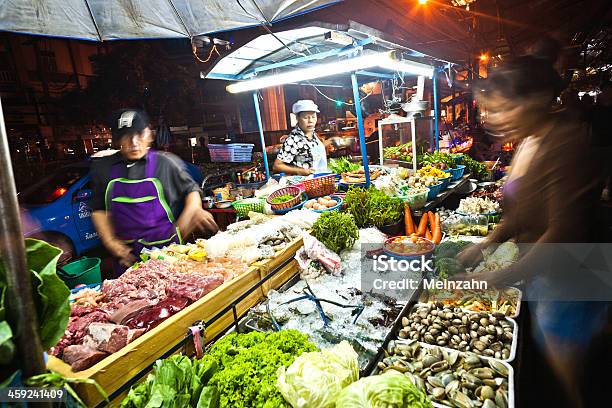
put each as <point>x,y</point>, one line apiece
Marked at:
<point>297,149</point>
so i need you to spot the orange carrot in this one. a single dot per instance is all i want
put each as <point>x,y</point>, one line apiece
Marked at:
<point>408,222</point>
<point>437,230</point>
<point>422,225</point>
<point>428,234</point>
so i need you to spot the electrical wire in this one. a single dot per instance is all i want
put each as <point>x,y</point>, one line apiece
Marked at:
<point>264,23</point>
<point>194,50</point>
<point>336,100</point>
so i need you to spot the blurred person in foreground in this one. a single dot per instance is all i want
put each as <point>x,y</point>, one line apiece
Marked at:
<point>550,201</point>
<point>143,198</point>
<point>601,122</point>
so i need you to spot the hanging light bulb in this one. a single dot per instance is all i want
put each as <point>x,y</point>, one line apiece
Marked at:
<point>422,2</point>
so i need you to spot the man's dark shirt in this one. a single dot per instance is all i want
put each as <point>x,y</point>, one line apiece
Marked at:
<point>170,171</point>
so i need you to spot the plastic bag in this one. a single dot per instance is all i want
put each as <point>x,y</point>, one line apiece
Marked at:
<point>314,250</point>
<point>267,188</point>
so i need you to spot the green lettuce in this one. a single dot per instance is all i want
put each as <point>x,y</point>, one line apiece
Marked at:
<point>7,347</point>
<point>389,390</point>
<point>315,380</point>
<point>248,364</point>
<point>175,382</point>
<point>51,294</point>
<point>51,298</point>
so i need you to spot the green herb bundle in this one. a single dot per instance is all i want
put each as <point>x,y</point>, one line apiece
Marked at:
<point>336,230</point>
<point>477,169</point>
<point>372,207</point>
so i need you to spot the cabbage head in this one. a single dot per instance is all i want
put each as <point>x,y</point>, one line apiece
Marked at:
<point>389,390</point>
<point>315,380</point>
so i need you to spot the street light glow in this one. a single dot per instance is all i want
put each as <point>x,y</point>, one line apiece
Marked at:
<point>422,2</point>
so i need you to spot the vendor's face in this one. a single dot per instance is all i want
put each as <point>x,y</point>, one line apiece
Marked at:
<point>135,145</point>
<point>514,118</point>
<point>307,121</point>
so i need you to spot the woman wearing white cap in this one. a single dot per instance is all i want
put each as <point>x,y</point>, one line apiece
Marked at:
<point>302,153</point>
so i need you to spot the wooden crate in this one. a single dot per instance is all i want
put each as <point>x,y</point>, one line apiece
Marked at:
<point>281,277</point>
<point>112,372</point>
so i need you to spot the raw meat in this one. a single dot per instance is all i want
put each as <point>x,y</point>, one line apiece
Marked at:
<point>81,357</point>
<point>135,302</point>
<point>107,337</point>
<point>128,310</point>
<point>134,334</point>
<point>153,315</point>
<point>77,329</point>
<point>194,287</point>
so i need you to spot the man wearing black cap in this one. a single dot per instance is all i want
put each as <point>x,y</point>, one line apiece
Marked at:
<point>143,198</point>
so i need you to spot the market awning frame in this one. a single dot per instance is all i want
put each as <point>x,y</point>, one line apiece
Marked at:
<point>371,57</point>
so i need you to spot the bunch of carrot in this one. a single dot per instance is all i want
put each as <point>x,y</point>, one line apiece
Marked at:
<point>429,225</point>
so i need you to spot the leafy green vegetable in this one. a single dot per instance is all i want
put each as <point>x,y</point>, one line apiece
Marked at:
<point>445,261</point>
<point>373,207</point>
<point>450,249</point>
<point>282,199</point>
<point>248,363</point>
<point>357,204</point>
<point>448,267</point>
<point>477,169</point>
<point>342,165</point>
<point>389,390</point>
<point>175,382</point>
<point>336,230</point>
<point>440,160</point>
<point>50,295</point>
<point>7,346</point>
<point>56,380</point>
<point>315,380</point>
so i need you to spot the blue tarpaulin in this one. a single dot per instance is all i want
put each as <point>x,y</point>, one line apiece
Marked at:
<point>103,20</point>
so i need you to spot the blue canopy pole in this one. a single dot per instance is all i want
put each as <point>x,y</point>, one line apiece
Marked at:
<point>261,135</point>
<point>436,109</point>
<point>362,143</point>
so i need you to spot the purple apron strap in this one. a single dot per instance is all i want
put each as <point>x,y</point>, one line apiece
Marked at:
<point>151,161</point>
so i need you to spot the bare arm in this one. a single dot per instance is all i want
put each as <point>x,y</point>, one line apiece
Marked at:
<point>194,218</point>
<point>281,167</point>
<point>107,235</point>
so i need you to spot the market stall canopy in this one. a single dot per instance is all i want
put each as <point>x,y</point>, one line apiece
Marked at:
<point>102,20</point>
<point>312,45</point>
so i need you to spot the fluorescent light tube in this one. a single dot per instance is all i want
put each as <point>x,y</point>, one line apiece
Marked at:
<point>305,74</point>
<point>383,60</point>
<point>411,67</point>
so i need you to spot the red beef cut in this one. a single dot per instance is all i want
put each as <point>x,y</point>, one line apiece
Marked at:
<point>77,329</point>
<point>154,315</point>
<point>82,357</point>
<point>107,337</point>
<point>194,287</point>
<point>134,334</point>
<point>128,310</point>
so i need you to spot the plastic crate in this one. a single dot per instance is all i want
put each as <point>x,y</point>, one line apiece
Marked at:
<point>231,153</point>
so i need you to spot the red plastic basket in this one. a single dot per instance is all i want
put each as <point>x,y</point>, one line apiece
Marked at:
<point>289,190</point>
<point>320,186</point>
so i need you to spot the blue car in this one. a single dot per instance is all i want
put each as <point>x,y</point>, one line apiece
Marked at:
<point>56,209</point>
